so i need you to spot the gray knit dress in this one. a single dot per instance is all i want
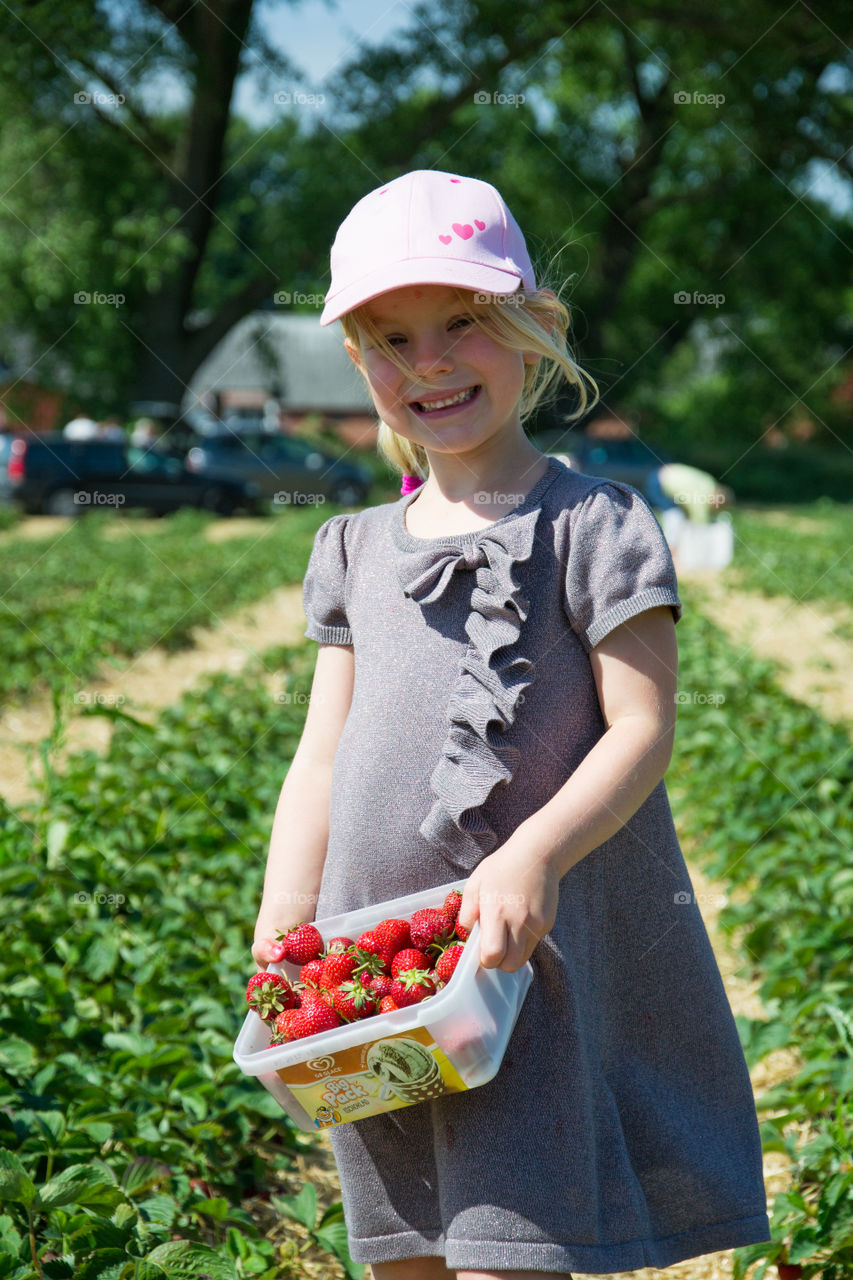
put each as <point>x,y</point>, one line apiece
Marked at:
<point>620,1131</point>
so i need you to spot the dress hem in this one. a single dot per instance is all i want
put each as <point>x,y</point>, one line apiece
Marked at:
<point>631,1255</point>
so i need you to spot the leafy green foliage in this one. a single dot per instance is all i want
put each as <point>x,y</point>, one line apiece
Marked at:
<point>765,786</point>
<point>809,556</point>
<point>70,604</point>
<point>124,971</point>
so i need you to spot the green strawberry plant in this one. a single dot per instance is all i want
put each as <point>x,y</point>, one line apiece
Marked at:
<point>779,833</point>
<point>128,905</point>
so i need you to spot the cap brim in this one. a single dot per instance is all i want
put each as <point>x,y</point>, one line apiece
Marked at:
<point>465,275</point>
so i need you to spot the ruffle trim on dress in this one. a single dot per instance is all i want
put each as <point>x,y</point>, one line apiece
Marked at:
<point>493,675</point>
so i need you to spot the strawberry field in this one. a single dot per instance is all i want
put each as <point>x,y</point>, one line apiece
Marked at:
<point>131,1146</point>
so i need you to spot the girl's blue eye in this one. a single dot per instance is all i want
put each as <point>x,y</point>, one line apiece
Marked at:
<point>466,320</point>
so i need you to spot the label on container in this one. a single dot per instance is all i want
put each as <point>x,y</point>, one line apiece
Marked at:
<point>368,1079</point>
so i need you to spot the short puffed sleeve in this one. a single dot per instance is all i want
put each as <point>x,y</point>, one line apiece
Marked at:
<point>619,562</point>
<point>324,585</point>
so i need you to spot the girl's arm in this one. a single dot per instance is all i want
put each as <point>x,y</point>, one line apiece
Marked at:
<point>515,890</point>
<point>300,832</point>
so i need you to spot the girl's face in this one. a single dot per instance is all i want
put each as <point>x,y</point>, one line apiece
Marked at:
<point>439,340</point>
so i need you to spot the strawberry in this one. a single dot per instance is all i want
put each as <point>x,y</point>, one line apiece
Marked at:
<point>269,994</point>
<point>414,985</point>
<point>429,926</point>
<point>311,974</point>
<point>380,984</point>
<point>337,967</point>
<point>388,1004</point>
<point>284,1025</point>
<point>462,933</point>
<point>451,904</point>
<point>314,1017</point>
<point>408,959</point>
<point>301,943</point>
<point>448,960</point>
<point>338,944</point>
<point>311,996</point>
<point>374,953</point>
<point>352,1000</point>
<point>394,933</point>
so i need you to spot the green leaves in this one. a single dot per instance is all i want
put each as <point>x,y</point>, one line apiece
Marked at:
<point>15,1182</point>
<point>124,964</point>
<point>88,597</point>
<point>330,1231</point>
<point>764,786</point>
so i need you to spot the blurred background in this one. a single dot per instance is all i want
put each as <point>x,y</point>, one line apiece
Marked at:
<point>174,428</point>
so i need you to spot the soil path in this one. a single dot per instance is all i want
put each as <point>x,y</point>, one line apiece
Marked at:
<point>152,680</point>
<point>812,642</point>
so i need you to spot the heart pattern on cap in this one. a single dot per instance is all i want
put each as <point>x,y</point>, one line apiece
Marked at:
<point>463,230</point>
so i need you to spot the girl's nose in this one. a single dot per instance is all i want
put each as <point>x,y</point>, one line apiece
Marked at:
<point>432,356</point>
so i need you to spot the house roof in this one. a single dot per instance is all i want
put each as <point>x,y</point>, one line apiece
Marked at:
<point>289,356</point>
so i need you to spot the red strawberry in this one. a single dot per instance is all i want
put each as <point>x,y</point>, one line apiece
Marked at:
<point>310,996</point>
<point>269,994</point>
<point>451,904</point>
<point>338,944</point>
<point>380,983</point>
<point>374,953</point>
<point>284,1025</point>
<point>301,943</point>
<point>462,933</point>
<point>408,959</point>
<point>429,926</point>
<point>415,985</point>
<point>337,967</point>
<point>314,1017</point>
<point>312,973</point>
<point>448,960</point>
<point>353,1000</point>
<point>388,1004</point>
<point>394,933</point>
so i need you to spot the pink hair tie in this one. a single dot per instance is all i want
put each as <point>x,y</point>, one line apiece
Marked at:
<point>410,483</point>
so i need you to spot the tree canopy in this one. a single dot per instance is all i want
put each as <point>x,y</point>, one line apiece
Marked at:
<point>667,164</point>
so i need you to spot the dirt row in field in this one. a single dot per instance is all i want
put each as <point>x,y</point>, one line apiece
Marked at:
<point>806,640</point>
<point>812,642</point>
<point>154,679</point>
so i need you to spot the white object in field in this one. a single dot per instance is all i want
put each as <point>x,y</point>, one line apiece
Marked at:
<point>699,546</point>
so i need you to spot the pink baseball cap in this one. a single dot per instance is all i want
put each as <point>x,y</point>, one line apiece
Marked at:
<point>426,227</point>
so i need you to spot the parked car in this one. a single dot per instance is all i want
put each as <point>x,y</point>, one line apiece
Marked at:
<point>631,461</point>
<point>53,475</point>
<point>285,469</point>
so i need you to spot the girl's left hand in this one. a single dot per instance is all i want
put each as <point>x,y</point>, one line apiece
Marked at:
<point>514,894</point>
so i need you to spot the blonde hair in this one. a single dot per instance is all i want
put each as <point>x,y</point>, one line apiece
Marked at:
<point>528,320</point>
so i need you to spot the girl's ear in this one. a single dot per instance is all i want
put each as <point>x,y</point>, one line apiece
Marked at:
<point>354,354</point>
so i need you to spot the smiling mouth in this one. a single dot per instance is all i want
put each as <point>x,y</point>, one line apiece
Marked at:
<point>448,402</point>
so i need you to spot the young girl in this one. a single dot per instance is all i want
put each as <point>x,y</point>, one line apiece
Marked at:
<point>494,697</point>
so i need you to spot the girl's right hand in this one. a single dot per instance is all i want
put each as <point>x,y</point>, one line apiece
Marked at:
<point>266,951</point>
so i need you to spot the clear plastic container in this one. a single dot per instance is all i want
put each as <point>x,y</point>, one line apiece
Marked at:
<point>453,1040</point>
